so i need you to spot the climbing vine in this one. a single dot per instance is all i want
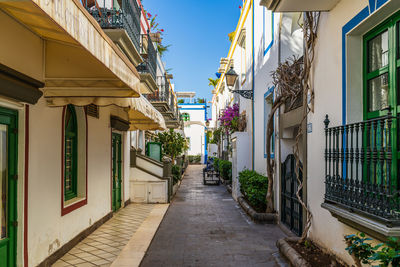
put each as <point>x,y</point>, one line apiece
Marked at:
<point>292,81</point>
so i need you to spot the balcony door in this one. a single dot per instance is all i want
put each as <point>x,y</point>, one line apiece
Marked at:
<point>8,187</point>
<point>116,172</point>
<point>381,100</point>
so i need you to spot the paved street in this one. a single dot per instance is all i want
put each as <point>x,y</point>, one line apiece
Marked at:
<point>204,226</point>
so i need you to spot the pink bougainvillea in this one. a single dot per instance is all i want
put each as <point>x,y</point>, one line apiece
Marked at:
<point>230,118</point>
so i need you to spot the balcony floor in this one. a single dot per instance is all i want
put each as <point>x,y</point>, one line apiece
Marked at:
<point>135,225</point>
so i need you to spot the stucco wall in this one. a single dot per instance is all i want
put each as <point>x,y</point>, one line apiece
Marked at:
<point>48,230</point>
<point>195,131</point>
<point>328,100</point>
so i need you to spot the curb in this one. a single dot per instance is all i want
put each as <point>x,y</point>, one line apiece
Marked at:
<point>269,218</point>
<point>229,188</point>
<point>294,258</point>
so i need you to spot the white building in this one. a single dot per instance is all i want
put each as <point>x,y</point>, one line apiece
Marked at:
<point>354,81</point>
<point>69,96</point>
<point>194,116</point>
<point>262,40</point>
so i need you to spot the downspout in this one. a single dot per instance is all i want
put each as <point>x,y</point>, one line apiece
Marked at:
<point>253,84</point>
<point>205,136</point>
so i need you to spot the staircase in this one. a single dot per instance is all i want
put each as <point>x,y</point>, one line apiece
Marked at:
<point>150,180</point>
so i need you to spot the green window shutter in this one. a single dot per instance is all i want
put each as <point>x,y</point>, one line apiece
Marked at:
<point>70,153</point>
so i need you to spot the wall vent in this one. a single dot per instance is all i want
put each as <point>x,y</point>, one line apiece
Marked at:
<point>92,110</point>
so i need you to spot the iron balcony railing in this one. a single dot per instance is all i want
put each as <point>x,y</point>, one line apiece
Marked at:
<point>149,52</point>
<point>157,96</point>
<point>128,18</point>
<point>162,94</point>
<point>360,172</point>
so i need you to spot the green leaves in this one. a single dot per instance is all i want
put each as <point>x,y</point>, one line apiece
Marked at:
<point>254,187</point>
<point>225,169</point>
<point>213,82</point>
<point>176,173</point>
<point>172,143</point>
<point>386,254</point>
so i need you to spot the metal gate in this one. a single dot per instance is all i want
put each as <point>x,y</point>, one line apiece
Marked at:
<point>291,209</point>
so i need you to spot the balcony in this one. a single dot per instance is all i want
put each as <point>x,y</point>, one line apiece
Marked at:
<point>361,177</point>
<point>148,68</point>
<point>121,24</point>
<point>163,101</point>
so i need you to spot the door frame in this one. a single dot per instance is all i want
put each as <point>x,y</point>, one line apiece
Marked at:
<point>392,26</point>
<point>9,117</point>
<point>120,170</point>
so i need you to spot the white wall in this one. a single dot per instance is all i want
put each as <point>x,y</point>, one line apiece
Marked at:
<point>328,100</point>
<point>48,230</point>
<point>195,132</point>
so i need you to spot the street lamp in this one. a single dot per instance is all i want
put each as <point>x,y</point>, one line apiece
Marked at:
<point>230,78</point>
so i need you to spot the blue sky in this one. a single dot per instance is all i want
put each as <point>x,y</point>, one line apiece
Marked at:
<point>198,34</point>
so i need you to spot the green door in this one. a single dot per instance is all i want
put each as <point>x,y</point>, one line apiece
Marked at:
<point>381,96</point>
<point>116,172</point>
<point>8,187</point>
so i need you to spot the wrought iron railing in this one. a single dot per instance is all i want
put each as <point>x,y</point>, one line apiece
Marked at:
<point>157,96</point>
<point>149,52</point>
<point>360,173</point>
<point>128,18</point>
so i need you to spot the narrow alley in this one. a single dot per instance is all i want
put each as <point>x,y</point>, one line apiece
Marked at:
<point>204,226</point>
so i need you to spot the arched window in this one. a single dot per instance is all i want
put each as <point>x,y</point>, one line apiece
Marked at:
<point>70,153</point>
<point>185,117</point>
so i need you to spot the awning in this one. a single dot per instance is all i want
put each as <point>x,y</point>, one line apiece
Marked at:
<point>18,86</point>
<point>298,5</point>
<point>141,113</point>
<point>143,116</point>
<point>79,59</point>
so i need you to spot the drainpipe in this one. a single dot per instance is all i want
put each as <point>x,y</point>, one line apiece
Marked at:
<point>252,100</point>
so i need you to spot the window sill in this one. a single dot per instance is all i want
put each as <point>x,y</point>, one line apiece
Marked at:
<point>362,223</point>
<point>73,204</point>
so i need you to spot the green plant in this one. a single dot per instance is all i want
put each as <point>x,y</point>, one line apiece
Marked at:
<point>181,101</point>
<point>176,173</point>
<point>389,254</point>
<point>216,136</point>
<point>213,82</point>
<point>173,144</point>
<point>216,164</point>
<point>254,187</point>
<point>386,254</point>
<point>162,49</point>
<point>194,158</point>
<point>225,169</point>
<point>357,246</point>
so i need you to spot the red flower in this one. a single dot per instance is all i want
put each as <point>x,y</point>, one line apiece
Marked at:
<point>149,15</point>
<point>162,30</point>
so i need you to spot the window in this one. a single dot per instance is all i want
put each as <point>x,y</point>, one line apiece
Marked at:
<point>268,30</point>
<point>268,100</point>
<point>242,45</point>
<point>74,159</point>
<point>70,153</point>
<point>381,95</point>
<point>381,65</point>
<point>185,116</point>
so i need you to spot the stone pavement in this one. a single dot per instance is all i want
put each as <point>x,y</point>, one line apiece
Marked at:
<point>112,243</point>
<point>204,226</point>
